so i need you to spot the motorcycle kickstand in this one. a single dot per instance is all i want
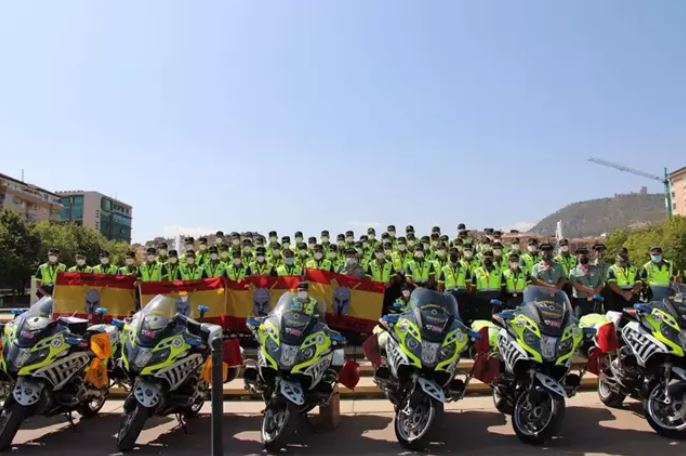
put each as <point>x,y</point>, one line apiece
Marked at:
<point>70,418</point>
<point>182,423</point>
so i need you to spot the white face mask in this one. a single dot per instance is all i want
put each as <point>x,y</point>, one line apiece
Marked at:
<point>380,255</point>
<point>162,252</point>
<point>289,261</point>
<point>514,265</point>
<point>318,255</point>
<point>104,260</point>
<point>218,241</point>
<point>333,255</point>
<point>497,252</point>
<point>515,247</point>
<point>302,295</point>
<point>391,233</point>
<point>325,239</point>
<point>224,255</point>
<point>402,247</point>
<point>173,260</point>
<point>52,258</point>
<point>351,261</point>
<point>214,256</point>
<point>419,254</point>
<point>81,262</point>
<point>532,249</point>
<point>130,261</point>
<point>371,237</point>
<point>189,247</point>
<point>298,239</point>
<point>190,260</point>
<point>468,255</point>
<point>286,245</point>
<point>203,247</point>
<point>260,259</point>
<point>406,293</point>
<point>564,249</point>
<point>441,253</point>
<point>349,239</point>
<point>151,258</point>
<point>273,239</point>
<point>236,242</point>
<point>237,261</point>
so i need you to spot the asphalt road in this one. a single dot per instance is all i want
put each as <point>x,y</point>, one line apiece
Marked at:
<point>469,427</point>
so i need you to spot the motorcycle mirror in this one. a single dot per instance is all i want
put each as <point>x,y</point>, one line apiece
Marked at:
<point>100,311</point>
<point>496,302</point>
<point>642,308</point>
<point>589,332</point>
<point>506,315</point>
<point>389,320</point>
<point>117,323</point>
<point>337,337</point>
<point>17,311</point>
<point>252,323</point>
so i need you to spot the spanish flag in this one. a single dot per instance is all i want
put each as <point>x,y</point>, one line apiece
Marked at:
<point>190,294</point>
<point>352,304</point>
<point>79,294</point>
<point>254,296</point>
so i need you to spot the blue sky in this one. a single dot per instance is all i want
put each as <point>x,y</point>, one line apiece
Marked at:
<point>322,114</point>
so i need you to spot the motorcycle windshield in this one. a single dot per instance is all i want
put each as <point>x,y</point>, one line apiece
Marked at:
<point>548,307</point>
<point>675,305</point>
<point>31,323</point>
<point>293,317</point>
<point>433,311</point>
<point>154,318</point>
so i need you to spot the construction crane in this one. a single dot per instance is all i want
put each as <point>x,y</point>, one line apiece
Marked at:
<point>626,169</point>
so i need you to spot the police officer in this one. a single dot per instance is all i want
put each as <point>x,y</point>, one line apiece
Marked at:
<point>400,304</point>
<point>46,274</point>
<point>441,258</point>
<point>515,247</point>
<point>420,272</point>
<point>371,239</point>
<point>390,229</point>
<point>302,254</point>
<point>309,304</point>
<point>190,269</point>
<point>325,239</point>
<point>429,253</point>
<point>498,259</point>
<point>214,267</point>
<point>514,281</point>
<point>318,261</point>
<point>402,256</point>
<point>150,270</point>
<point>531,257</point>
<point>349,239</point>
<point>162,253</point>
<point>454,276</point>
<point>130,268</point>
<point>289,266</point>
<point>547,272</point>
<point>488,283</point>
<point>623,281</point>
<point>105,267</point>
<point>237,269</point>
<point>247,251</point>
<point>409,229</point>
<point>218,238</point>
<point>202,255</point>
<point>380,269</point>
<point>261,267</point>
<point>81,265</point>
<point>468,259</point>
<point>298,237</point>
<point>352,266</point>
<point>276,258</point>
<point>659,274</point>
<point>285,244</point>
<point>362,257</point>
<point>171,269</point>
<point>311,243</point>
<point>587,282</point>
<point>273,242</point>
<point>188,244</point>
<point>340,243</point>
<point>564,257</point>
<point>235,243</point>
<point>597,256</point>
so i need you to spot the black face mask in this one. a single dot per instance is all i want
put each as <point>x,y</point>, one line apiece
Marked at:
<point>548,256</point>
<point>454,258</point>
<point>488,264</point>
<point>583,260</point>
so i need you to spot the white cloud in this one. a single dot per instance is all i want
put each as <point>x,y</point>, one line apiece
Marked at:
<point>171,231</point>
<point>522,226</point>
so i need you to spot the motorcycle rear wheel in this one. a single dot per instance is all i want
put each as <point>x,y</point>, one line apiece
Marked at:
<point>657,412</point>
<point>11,418</point>
<point>606,395</point>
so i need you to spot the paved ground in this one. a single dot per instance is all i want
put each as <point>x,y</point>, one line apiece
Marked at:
<point>471,427</point>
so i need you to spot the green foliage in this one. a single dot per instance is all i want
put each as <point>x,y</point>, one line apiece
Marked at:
<point>24,245</point>
<point>670,235</point>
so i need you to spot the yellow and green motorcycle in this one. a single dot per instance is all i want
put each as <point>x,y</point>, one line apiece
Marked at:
<point>533,347</point>
<point>415,355</point>
<point>54,365</point>
<point>166,356</point>
<point>299,361</point>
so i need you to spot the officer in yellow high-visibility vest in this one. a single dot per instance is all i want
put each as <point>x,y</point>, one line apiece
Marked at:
<point>237,269</point>
<point>105,266</point>
<point>190,269</point>
<point>380,269</point>
<point>564,257</point>
<point>81,265</point>
<point>659,274</point>
<point>171,270</point>
<point>488,283</point>
<point>514,281</point>
<point>401,256</point>
<point>261,266</point>
<point>130,268</point>
<point>420,272</point>
<point>289,266</point>
<point>46,274</point>
<point>454,275</point>
<point>318,260</point>
<point>214,266</point>
<point>150,270</point>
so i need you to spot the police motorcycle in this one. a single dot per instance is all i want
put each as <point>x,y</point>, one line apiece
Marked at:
<point>55,365</point>
<point>532,348</point>
<point>641,353</point>
<point>415,355</point>
<point>299,362</point>
<point>166,355</point>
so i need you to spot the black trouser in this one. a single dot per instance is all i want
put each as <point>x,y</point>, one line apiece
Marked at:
<point>511,301</point>
<point>47,288</point>
<point>583,306</point>
<point>616,303</point>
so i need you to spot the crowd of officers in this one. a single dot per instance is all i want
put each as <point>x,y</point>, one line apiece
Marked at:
<point>474,268</point>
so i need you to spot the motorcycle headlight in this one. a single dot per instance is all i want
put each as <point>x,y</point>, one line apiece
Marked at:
<point>532,340</point>
<point>447,351</point>
<point>306,354</point>
<point>37,356</point>
<point>565,346</point>
<point>20,358</point>
<point>429,353</point>
<point>142,357</point>
<point>159,356</point>
<point>271,347</point>
<point>548,347</point>
<point>413,345</point>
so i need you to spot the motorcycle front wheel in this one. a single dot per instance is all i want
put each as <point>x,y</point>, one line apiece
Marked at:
<point>415,419</point>
<point>665,414</point>
<point>538,415</point>
<point>11,418</point>
<point>131,425</point>
<point>278,424</point>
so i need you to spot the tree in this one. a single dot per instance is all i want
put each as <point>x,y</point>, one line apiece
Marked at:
<point>19,251</point>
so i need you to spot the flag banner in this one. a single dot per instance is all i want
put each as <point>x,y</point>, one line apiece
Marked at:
<point>79,294</point>
<point>352,304</point>
<point>254,296</point>
<point>190,294</point>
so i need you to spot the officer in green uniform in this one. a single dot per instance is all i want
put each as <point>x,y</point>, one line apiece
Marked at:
<point>388,250</point>
<point>371,239</point>
<point>276,257</point>
<point>468,259</point>
<point>189,244</point>
<point>547,272</point>
<point>302,254</point>
<point>352,266</point>
<point>498,260</point>
<point>273,242</point>
<point>597,255</point>
<point>261,266</point>
<point>514,281</point>
<point>46,274</point>
<point>171,270</point>
<point>130,268</point>
<point>190,269</point>
<point>298,237</point>
<point>105,267</point>
<point>515,247</point>
<point>311,244</point>
<point>565,258</point>
<point>336,259</point>
<point>402,256</point>
<point>150,270</point>
<point>81,265</point>
<point>309,304</point>
<point>213,267</point>
<point>289,266</point>
<point>285,244</point>
<point>349,239</point>
<point>380,269</point>
<point>325,239</point>
<point>659,274</point>
<point>587,282</point>
<point>624,283</point>
<point>441,258</point>
<point>420,272</point>
<point>488,283</point>
<point>454,276</point>
<point>390,229</point>
<point>238,269</point>
<point>362,256</point>
<point>318,261</point>
<point>162,253</point>
<point>531,257</point>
